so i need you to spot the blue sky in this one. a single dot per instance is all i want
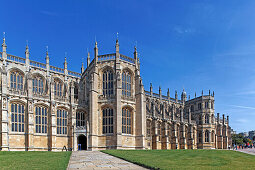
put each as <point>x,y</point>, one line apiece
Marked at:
<point>182,44</point>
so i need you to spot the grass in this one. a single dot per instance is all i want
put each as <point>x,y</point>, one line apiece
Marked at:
<point>34,160</point>
<point>187,159</point>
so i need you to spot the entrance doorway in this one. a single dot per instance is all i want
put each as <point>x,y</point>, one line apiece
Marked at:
<point>82,142</point>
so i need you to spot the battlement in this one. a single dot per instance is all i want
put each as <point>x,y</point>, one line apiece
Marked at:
<point>22,61</point>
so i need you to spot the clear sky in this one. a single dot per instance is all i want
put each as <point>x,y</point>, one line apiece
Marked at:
<point>182,44</point>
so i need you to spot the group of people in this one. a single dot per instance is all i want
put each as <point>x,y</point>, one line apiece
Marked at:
<point>242,146</point>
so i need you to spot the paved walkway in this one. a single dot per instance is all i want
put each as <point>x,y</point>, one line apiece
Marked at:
<point>248,150</point>
<point>98,160</point>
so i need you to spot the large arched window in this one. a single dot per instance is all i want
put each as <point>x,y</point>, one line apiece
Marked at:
<point>107,120</point>
<point>16,81</point>
<point>206,119</point>
<point>61,121</point>
<point>41,119</point>
<point>107,83</point>
<point>80,119</point>
<point>18,117</point>
<point>126,84</point>
<point>38,84</point>
<point>58,87</point>
<point>126,121</point>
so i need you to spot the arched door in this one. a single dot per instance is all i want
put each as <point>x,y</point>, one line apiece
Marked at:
<point>82,142</point>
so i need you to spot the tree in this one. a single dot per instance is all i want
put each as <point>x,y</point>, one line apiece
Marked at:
<point>237,139</point>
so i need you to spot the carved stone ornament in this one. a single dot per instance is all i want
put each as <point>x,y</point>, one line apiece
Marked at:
<point>118,76</point>
<point>30,106</point>
<point>4,103</point>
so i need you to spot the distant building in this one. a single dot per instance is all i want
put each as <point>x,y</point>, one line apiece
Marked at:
<point>251,134</point>
<point>233,132</point>
<point>105,107</point>
<point>244,134</point>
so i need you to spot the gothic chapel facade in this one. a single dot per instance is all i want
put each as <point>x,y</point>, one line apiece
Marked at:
<point>105,107</point>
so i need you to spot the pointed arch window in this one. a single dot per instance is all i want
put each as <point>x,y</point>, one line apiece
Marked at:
<point>41,118</point>
<point>126,121</point>
<point>207,119</point>
<point>148,127</point>
<point>212,137</point>
<point>38,85</point>
<point>58,88</point>
<point>61,121</point>
<point>18,117</point>
<point>207,136</point>
<point>16,81</point>
<point>107,83</point>
<point>80,119</point>
<point>199,137</point>
<point>126,84</point>
<point>107,120</point>
<point>159,132</point>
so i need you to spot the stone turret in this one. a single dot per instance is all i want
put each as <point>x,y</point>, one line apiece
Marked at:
<point>151,89</point>
<point>65,69</point>
<point>88,60</point>
<point>176,96</point>
<point>47,62</point>
<point>189,116</point>
<point>184,96</point>
<point>4,47</point>
<point>82,67</point>
<point>117,46</point>
<point>95,52</point>
<point>27,57</point>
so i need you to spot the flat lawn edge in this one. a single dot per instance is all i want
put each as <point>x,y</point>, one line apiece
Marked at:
<point>183,159</point>
<point>137,163</point>
<point>34,160</point>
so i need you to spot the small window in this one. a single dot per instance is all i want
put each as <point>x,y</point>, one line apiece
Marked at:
<point>192,108</point>
<point>199,106</point>
<point>207,119</point>
<point>206,105</point>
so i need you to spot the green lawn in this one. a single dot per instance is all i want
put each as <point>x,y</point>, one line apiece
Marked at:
<point>187,159</point>
<point>34,160</point>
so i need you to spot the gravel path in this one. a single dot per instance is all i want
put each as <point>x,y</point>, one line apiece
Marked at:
<point>248,150</point>
<point>98,160</point>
